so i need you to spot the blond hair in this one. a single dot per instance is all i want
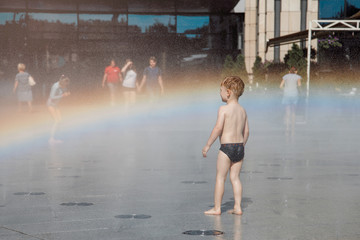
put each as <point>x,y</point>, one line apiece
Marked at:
<point>21,67</point>
<point>235,84</point>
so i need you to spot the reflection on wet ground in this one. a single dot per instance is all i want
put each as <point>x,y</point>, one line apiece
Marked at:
<point>142,176</point>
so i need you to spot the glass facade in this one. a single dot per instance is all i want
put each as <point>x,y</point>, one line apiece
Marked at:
<point>79,37</point>
<point>338,9</point>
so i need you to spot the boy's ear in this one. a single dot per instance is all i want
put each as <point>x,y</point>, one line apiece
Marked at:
<point>228,91</point>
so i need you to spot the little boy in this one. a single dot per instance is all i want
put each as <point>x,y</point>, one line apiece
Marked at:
<point>233,130</point>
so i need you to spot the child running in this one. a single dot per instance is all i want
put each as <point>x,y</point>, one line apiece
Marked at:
<point>58,91</point>
<point>233,130</point>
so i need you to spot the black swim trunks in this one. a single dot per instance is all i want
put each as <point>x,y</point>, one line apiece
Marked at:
<point>235,151</point>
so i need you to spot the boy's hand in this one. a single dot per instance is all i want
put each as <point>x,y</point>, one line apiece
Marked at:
<point>205,150</point>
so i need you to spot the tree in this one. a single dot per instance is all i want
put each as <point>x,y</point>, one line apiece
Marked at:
<point>228,66</point>
<point>258,69</point>
<point>240,68</point>
<point>235,68</point>
<point>295,58</point>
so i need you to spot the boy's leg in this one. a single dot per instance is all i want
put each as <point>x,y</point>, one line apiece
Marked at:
<point>237,187</point>
<point>126,101</point>
<point>222,168</point>
<point>132,97</point>
<point>30,106</point>
<point>55,113</point>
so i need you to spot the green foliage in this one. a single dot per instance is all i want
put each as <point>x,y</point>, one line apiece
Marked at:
<point>295,58</point>
<point>259,69</point>
<point>228,66</point>
<point>328,42</point>
<point>235,68</point>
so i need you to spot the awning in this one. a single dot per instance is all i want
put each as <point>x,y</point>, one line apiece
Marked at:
<point>303,35</point>
<point>293,37</point>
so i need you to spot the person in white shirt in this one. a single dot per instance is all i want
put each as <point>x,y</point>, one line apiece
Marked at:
<point>130,84</point>
<point>291,83</point>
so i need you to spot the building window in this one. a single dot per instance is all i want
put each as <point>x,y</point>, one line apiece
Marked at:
<point>193,25</point>
<point>331,9</point>
<point>10,17</point>
<point>101,26</point>
<point>162,24</point>
<point>14,4</point>
<point>102,6</point>
<point>52,25</point>
<point>68,5</point>
<point>192,6</point>
<point>162,6</point>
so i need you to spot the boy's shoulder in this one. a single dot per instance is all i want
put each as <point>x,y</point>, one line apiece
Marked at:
<point>231,107</point>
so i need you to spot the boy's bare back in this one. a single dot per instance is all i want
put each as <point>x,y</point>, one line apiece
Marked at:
<point>235,121</point>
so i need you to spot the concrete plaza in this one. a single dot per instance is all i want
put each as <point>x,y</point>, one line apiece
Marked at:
<point>142,175</point>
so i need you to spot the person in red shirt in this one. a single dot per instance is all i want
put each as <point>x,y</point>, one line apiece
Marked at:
<point>112,77</point>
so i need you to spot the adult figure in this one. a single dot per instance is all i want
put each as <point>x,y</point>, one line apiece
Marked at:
<point>153,80</point>
<point>22,87</point>
<point>112,77</point>
<point>290,83</point>
<point>129,84</point>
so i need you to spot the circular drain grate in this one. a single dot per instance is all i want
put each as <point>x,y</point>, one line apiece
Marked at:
<point>29,193</point>
<point>68,176</point>
<point>68,204</point>
<point>21,193</point>
<point>280,178</point>
<point>136,216</point>
<point>124,216</point>
<point>142,216</point>
<point>37,193</point>
<point>194,182</point>
<point>204,232</point>
<point>82,204</point>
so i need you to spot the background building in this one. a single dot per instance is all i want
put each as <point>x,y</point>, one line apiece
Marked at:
<point>79,37</point>
<point>269,19</point>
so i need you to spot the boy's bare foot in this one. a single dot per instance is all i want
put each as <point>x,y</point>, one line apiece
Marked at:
<point>212,212</point>
<point>236,212</point>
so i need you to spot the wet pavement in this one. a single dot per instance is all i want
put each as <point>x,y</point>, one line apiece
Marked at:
<point>142,176</point>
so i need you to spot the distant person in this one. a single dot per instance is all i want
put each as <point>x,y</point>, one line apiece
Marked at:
<point>291,83</point>
<point>233,131</point>
<point>112,77</point>
<point>129,84</point>
<point>58,91</point>
<point>23,88</point>
<point>153,80</point>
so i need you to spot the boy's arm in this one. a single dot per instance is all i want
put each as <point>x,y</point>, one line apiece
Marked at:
<point>246,131</point>
<point>216,132</point>
<point>282,83</point>
<point>104,79</point>
<point>120,77</point>
<point>161,85</point>
<point>15,85</point>
<point>142,82</point>
<point>299,82</point>
<point>125,67</point>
